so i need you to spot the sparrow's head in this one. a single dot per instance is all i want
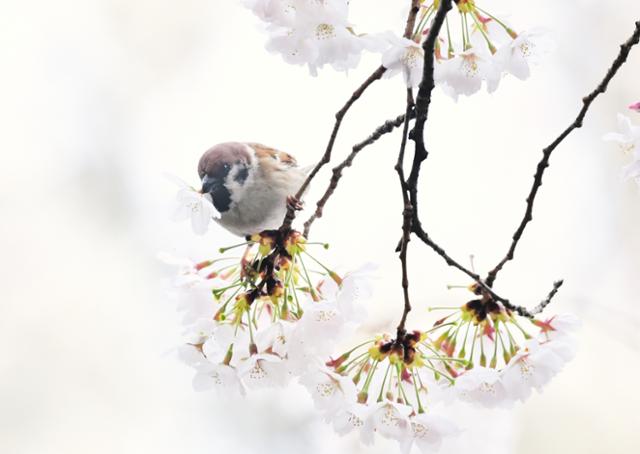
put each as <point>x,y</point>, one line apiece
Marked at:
<point>223,168</point>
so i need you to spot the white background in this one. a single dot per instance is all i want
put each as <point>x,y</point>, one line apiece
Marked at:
<point>99,98</point>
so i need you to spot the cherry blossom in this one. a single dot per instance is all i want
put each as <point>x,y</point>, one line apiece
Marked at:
<point>352,418</point>
<point>263,371</point>
<point>277,12</point>
<point>330,391</point>
<point>194,303</point>
<point>525,50</point>
<point>192,205</point>
<point>220,377</point>
<point>388,419</point>
<point>558,326</point>
<point>395,382</point>
<point>465,73</point>
<point>629,141</point>
<point>427,432</point>
<point>404,56</point>
<point>482,385</point>
<point>318,33</point>
<point>533,367</point>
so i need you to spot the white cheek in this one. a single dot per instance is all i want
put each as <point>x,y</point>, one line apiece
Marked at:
<point>238,189</point>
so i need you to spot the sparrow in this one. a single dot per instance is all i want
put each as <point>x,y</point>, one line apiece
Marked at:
<point>250,185</point>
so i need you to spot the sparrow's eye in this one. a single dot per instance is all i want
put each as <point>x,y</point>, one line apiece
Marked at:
<point>226,167</point>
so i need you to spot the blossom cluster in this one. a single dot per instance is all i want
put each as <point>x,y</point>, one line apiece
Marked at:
<point>480,353</point>
<point>505,355</point>
<point>473,50</point>
<point>254,321</point>
<point>386,386</point>
<point>277,313</point>
<point>311,32</point>
<point>629,141</point>
<point>261,320</point>
<point>480,50</point>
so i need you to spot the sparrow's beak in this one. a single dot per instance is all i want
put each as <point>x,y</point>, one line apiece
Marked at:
<point>209,184</point>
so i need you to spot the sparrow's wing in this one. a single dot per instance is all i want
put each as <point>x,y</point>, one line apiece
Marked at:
<point>265,152</point>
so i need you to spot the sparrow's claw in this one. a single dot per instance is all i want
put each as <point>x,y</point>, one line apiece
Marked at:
<point>293,203</point>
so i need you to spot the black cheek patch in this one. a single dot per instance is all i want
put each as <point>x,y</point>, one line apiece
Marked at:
<point>242,175</point>
<point>221,198</point>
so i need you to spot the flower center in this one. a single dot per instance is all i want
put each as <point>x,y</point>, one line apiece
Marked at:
<point>526,370</point>
<point>325,316</point>
<point>487,388</point>
<point>526,48</point>
<point>354,420</point>
<point>257,372</point>
<point>194,206</point>
<point>627,147</point>
<point>389,418</point>
<point>420,430</point>
<point>412,56</point>
<point>326,389</point>
<point>470,66</point>
<point>325,31</point>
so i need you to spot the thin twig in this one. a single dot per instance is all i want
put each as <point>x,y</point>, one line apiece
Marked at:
<point>326,157</point>
<point>376,75</point>
<point>407,216</point>
<point>411,18</point>
<point>540,307</point>
<point>381,130</point>
<point>423,102</point>
<point>409,186</point>
<point>426,239</point>
<point>423,99</point>
<point>625,48</point>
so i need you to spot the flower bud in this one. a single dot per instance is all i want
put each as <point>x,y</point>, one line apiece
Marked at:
<point>337,279</point>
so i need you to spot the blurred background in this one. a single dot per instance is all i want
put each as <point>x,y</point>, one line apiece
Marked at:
<point>99,98</point>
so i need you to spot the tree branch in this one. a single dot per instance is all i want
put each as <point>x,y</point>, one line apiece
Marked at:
<point>326,157</point>
<point>625,48</point>
<point>407,216</point>
<point>409,187</point>
<point>423,102</point>
<point>376,75</point>
<point>381,130</point>
<point>482,286</point>
<point>540,307</point>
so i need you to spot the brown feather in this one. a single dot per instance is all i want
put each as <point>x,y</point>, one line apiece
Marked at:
<point>264,152</point>
<point>217,156</point>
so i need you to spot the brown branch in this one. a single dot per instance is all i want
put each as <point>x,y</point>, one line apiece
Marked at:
<point>326,157</point>
<point>546,153</point>
<point>381,130</point>
<point>411,19</point>
<point>407,216</point>
<point>423,102</point>
<point>409,186</point>
<point>483,287</point>
<point>423,99</point>
<point>376,75</point>
<point>540,307</point>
